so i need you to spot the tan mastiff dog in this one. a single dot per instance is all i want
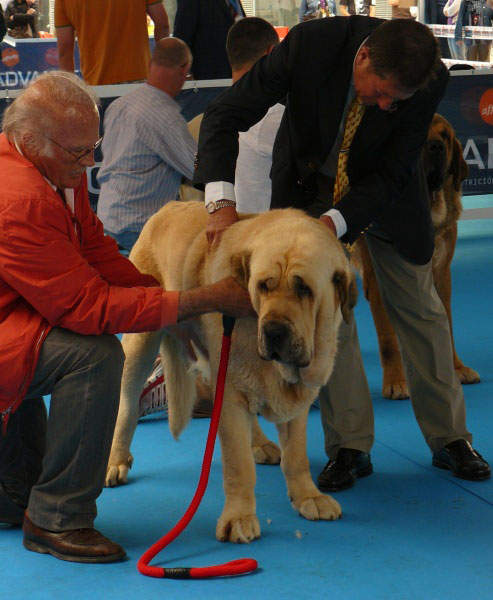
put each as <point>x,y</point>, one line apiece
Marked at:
<point>301,286</point>
<point>445,170</point>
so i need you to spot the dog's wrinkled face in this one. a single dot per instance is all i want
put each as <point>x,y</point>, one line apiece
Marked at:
<point>298,277</point>
<point>442,156</point>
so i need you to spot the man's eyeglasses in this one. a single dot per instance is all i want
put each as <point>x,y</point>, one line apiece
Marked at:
<point>82,154</point>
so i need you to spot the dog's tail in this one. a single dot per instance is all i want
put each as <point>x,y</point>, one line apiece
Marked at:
<point>180,384</point>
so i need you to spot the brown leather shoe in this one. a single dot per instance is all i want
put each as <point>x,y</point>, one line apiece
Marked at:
<point>75,545</point>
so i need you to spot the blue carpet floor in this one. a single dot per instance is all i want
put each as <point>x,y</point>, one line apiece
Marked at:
<point>408,532</point>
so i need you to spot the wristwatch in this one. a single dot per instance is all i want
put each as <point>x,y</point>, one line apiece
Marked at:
<point>214,205</point>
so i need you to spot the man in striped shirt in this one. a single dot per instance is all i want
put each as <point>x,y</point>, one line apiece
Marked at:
<point>147,147</point>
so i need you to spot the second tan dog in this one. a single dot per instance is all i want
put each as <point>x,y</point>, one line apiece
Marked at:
<point>300,284</point>
<point>445,170</point>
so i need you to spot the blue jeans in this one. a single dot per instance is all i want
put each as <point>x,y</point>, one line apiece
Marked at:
<point>56,465</point>
<point>457,51</point>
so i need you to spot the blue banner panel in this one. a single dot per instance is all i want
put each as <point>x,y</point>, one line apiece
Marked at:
<point>27,59</point>
<point>468,106</point>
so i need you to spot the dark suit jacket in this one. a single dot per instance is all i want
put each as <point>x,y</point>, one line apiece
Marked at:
<point>204,25</point>
<point>313,65</point>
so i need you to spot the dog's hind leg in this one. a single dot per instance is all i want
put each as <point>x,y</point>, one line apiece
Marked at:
<point>304,495</point>
<point>140,350</point>
<point>180,382</point>
<point>394,384</point>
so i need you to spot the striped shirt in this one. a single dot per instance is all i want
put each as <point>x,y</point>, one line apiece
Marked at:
<point>147,148</point>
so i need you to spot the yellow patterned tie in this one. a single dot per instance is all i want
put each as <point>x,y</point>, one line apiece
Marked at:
<point>353,119</point>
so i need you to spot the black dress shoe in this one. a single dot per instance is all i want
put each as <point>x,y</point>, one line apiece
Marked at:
<point>464,462</point>
<point>75,545</point>
<point>10,512</point>
<point>342,472</point>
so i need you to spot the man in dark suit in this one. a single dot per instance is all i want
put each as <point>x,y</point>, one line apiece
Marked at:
<point>204,26</point>
<point>393,67</point>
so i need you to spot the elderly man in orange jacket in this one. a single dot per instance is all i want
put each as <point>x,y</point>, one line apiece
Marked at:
<point>65,290</point>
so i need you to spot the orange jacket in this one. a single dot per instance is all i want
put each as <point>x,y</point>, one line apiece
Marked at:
<point>57,268</point>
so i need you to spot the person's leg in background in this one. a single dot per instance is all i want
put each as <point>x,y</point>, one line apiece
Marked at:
<point>484,51</point>
<point>472,51</point>
<point>457,51</point>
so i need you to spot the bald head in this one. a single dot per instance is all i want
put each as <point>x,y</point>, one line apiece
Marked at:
<point>51,103</point>
<point>171,52</point>
<point>170,63</point>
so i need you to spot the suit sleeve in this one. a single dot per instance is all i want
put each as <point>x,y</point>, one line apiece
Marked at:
<point>240,107</point>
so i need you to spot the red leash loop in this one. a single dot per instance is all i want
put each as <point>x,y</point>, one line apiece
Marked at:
<point>234,567</point>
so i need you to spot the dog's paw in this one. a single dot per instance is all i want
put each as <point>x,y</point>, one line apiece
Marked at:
<point>395,390</point>
<point>117,474</point>
<point>239,529</point>
<point>319,507</point>
<point>267,454</point>
<point>467,375</point>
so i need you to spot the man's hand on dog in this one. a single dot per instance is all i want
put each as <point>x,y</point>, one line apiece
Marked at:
<point>330,223</point>
<point>226,296</point>
<point>218,222</point>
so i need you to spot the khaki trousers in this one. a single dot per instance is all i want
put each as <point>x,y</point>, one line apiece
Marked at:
<point>420,322</point>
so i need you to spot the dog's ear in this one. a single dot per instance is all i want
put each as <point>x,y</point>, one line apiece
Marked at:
<point>347,291</point>
<point>240,265</point>
<point>458,167</point>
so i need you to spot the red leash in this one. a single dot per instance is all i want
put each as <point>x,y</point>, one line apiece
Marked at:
<point>235,567</point>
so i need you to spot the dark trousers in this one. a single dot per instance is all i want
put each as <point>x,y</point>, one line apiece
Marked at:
<point>56,465</point>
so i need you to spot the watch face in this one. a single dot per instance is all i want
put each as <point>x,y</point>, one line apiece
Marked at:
<point>211,207</point>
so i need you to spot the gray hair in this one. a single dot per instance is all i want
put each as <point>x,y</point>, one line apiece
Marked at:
<point>44,106</point>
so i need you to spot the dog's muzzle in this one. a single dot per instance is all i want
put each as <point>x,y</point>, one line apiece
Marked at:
<point>434,157</point>
<point>278,342</point>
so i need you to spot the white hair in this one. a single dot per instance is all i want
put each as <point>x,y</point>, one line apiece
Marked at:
<point>45,105</point>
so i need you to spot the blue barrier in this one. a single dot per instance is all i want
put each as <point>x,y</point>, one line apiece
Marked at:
<point>468,105</point>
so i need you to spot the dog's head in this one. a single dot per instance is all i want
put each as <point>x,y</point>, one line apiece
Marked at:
<point>301,286</point>
<point>442,156</point>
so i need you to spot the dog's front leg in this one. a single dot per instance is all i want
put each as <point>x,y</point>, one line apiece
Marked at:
<point>304,496</point>
<point>238,521</point>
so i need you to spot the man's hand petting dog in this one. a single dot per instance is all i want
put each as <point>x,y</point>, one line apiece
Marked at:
<point>329,222</point>
<point>218,222</point>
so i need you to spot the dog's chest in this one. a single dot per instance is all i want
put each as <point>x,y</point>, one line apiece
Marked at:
<point>438,210</point>
<point>261,384</point>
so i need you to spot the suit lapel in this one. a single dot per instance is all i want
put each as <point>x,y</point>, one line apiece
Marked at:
<point>331,102</point>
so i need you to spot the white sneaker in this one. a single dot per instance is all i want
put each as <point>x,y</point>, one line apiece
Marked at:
<point>153,396</point>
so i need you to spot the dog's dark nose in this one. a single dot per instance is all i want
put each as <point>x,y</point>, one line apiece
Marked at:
<point>435,147</point>
<point>276,335</point>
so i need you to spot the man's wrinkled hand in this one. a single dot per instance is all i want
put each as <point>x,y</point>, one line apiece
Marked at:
<point>218,223</point>
<point>330,223</point>
<point>233,299</point>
